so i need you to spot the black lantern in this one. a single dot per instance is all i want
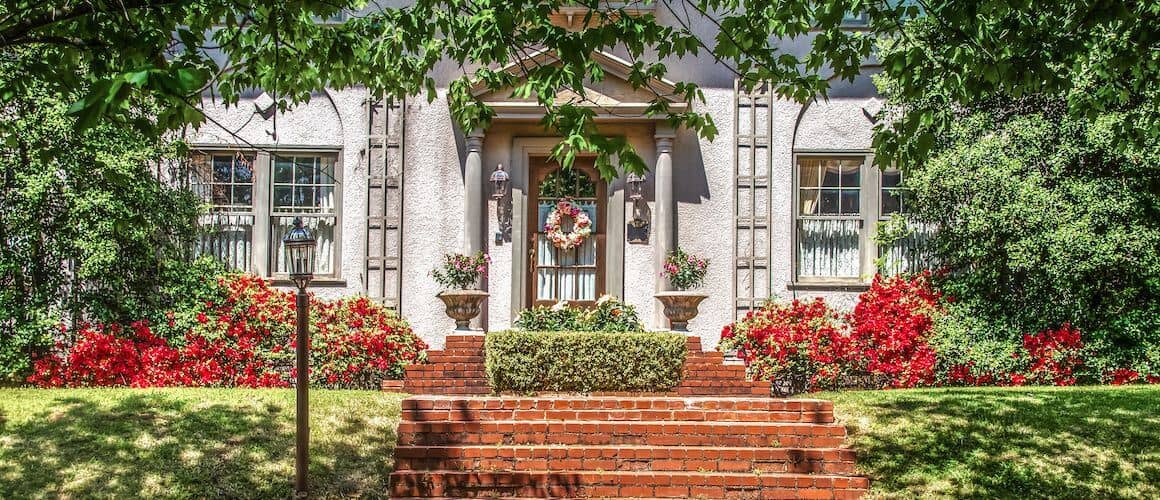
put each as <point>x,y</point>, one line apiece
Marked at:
<point>299,247</point>
<point>499,183</point>
<point>635,184</point>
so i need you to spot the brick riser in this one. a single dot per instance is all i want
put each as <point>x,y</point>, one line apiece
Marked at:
<point>621,447</point>
<point>459,369</point>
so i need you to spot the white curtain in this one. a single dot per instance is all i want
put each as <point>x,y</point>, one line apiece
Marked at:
<point>828,248</point>
<point>229,238</point>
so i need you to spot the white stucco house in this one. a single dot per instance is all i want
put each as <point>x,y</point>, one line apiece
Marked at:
<point>783,202</point>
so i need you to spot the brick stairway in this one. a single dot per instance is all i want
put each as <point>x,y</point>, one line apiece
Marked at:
<point>615,446</point>
<point>458,369</point>
<point>716,435</point>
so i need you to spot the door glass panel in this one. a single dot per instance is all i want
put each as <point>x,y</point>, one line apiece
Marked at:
<point>566,274</point>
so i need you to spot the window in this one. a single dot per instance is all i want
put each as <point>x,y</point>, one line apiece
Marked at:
<point>304,186</point>
<point>840,202</point>
<point>254,198</point>
<point>904,253</point>
<point>829,217</point>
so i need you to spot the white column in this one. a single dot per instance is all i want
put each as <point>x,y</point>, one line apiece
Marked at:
<point>473,203</point>
<point>665,210</point>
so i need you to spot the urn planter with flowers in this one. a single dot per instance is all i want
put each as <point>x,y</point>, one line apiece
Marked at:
<point>457,274</point>
<point>684,271</point>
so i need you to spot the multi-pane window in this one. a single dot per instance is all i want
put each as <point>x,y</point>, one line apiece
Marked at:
<point>904,252</point>
<point>829,222</point>
<point>304,186</point>
<point>254,198</point>
<point>226,182</point>
<point>840,201</point>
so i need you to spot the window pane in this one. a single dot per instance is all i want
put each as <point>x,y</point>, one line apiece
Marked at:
<point>304,197</point>
<point>851,173</point>
<point>829,205</point>
<point>891,201</point>
<point>891,177</point>
<point>850,201</point>
<point>809,200</point>
<point>323,230</point>
<point>222,168</point>
<point>283,197</point>
<point>809,173</point>
<point>221,194</point>
<point>832,173</point>
<point>828,248</point>
<point>304,171</point>
<point>283,171</point>
<point>243,195</point>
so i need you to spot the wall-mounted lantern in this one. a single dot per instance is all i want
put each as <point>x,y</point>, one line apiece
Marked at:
<point>499,183</point>
<point>635,184</point>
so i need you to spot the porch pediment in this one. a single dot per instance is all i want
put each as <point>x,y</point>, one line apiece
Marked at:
<point>612,96</point>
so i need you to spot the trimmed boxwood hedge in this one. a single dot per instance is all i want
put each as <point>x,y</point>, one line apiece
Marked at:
<point>526,362</point>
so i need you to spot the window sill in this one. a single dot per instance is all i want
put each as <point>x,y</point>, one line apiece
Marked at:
<point>829,286</point>
<point>314,283</point>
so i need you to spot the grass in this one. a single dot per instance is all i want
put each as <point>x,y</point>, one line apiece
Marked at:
<point>1079,442</point>
<point>190,443</point>
<point>1086,442</point>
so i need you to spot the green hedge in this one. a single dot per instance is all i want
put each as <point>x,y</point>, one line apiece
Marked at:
<point>527,362</point>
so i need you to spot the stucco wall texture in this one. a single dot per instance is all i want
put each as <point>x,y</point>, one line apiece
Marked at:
<point>433,210</point>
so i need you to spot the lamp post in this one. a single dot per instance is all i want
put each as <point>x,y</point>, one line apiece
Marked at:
<point>299,248</point>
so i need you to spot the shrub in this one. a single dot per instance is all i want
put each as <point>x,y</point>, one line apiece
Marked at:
<point>609,315</point>
<point>903,333</point>
<point>526,362</point>
<point>1045,220</point>
<point>685,270</point>
<point>246,340</point>
<point>459,271</point>
<point>891,323</point>
<point>798,345</point>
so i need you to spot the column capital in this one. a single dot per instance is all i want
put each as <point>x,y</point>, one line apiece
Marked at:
<point>664,136</point>
<point>474,141</point>
<point>664,144</point>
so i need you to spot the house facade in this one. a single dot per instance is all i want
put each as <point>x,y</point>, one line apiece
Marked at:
<point>783,202</point>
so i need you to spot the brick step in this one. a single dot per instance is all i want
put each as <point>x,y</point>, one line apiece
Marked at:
<point>626,458</point>
<point>541,484</point>
<point>691,415</point>
<point>723,391</point>
<point>445,366</point>
<point>448,374</point>
<point>473,352</point>
<point>433,358</point>
<point>614,432</point>
<point>607,403</point>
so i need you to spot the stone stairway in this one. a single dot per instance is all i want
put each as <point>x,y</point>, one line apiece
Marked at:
<point>615,446</point>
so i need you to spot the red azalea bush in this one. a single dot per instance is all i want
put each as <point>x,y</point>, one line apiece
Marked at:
<point>891,325</point>
<point>889,339</point>
<point>798,345</point>
<point>246,340</point>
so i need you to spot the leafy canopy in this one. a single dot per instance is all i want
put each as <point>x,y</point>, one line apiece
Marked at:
<point>1099,53</point>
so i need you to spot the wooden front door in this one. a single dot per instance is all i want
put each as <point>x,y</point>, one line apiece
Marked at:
<point>575,275</point>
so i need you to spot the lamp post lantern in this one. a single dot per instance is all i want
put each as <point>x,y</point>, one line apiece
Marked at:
<point>299,247</point>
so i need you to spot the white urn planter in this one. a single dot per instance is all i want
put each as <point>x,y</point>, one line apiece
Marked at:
<point>462,305</point>
<point>680,307</point>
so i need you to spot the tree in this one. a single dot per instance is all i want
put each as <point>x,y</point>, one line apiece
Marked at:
<point>86,231</point>
<point>1045,215</point>
<point>1100,53</point>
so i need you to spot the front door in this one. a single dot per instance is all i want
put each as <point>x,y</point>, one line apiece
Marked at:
<point>575,275</point>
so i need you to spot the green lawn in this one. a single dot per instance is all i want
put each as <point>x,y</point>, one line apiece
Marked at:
<point>1086,442</point>
<point>190,443</point>
<point>1092,442</point>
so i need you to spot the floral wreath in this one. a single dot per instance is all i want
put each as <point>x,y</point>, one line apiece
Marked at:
<point>581,225</point>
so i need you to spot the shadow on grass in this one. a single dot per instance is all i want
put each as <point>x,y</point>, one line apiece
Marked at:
<point>152,445</point>
<point>1032,443</point>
